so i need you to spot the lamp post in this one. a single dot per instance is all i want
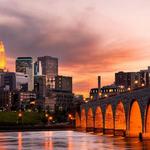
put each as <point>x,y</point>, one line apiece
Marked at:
<point>50,119</point>
<point>20,115</point>
<point>136,83</point>
<point>71,119</point>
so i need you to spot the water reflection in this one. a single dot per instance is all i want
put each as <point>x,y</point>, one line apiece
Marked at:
<point>19,140</point>
<point>66,140</point>
<point>48,144</point>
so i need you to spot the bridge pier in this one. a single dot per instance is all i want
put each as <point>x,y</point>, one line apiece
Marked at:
<point>98,130</point>
<point>108,131</point>
<point>90,129</point>
<point>120,133</point>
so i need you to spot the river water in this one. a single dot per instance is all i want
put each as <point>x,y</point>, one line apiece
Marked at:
<point>67,140</point>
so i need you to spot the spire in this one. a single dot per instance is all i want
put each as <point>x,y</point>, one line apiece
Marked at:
<point>2,56</point>
<point>2,49</point>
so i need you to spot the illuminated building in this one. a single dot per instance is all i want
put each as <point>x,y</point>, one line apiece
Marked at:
<point>2,56</point>
<point>132,80</point>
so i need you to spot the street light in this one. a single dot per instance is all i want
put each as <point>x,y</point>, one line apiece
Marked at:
<point>142,84</point>
<point>20,115</point>
<point>105,95</point>
<point>69,116</point>
<point>46,115</point>
<point>50,118</point>
<point>129,89</point>
<point>136,82</point>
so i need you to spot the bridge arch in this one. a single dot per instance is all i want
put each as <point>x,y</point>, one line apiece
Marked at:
<point>109,121</point>
<point>77,120</point>
<point>98,118</point>
<point>90,118</point>
<point>135,119</point>
<point>120,117</point>
<point>147,120</point>
<point>83,118</point>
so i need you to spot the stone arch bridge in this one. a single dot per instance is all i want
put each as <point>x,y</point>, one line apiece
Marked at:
<point>126,114</point>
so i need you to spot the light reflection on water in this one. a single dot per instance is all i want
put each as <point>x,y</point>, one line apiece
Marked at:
<point>66,140</point>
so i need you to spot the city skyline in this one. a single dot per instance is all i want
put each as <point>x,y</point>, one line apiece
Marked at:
<point>90,40</point>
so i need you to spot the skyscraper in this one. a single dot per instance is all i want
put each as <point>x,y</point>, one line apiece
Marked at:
<point>25,65</point>
<point>49,69</point>
<point>2,56</point>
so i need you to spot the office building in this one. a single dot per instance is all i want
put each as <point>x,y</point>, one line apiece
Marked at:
<point>63,83</point>
<point>132,80</point>
<point>11,81</point>
<point>49,69</point>
<point>25,65</point>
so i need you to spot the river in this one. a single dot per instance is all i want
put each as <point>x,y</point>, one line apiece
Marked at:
<point>67,140</point>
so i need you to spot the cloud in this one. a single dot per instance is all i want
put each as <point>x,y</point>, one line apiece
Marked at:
<point>83,51</point>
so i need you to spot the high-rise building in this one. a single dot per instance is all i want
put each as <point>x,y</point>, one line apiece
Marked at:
<point>63,83</point>
<point>37,68</point>
<point>49,69</point>
<point>25,65</point>
<point>2,56</point>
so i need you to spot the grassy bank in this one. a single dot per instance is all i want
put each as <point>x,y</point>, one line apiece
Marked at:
<point>28,118</point>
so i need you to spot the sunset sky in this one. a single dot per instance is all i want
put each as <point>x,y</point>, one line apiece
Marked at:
<point>90,37</point>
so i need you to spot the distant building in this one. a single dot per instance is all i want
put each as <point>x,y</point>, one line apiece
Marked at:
<point>132,80</point>
<point>50,101</point>
<point>5,99</point>
<point>64,101</point>
<point>40,86</point>
<point>21,100</point>
<point>144,77</point>
<point>61,97</point>
<point>49,69</point>
<point>15,100</point>
<point>63,83</point>
<point>11,81</point>
<point>37,68</point>
<point>25,65</point>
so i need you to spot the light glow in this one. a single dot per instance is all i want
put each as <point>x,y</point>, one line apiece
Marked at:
<point>2,56</point>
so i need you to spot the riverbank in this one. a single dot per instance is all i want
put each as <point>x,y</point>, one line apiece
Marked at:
<point>24,128</point>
